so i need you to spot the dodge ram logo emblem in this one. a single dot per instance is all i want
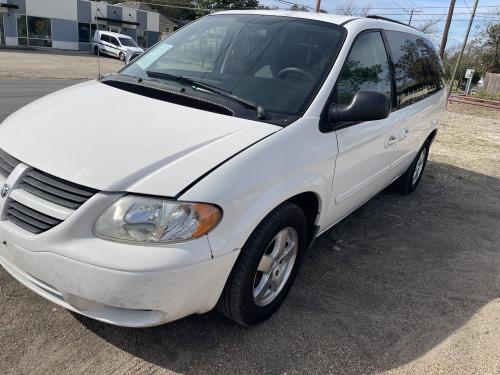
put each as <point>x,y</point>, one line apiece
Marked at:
<point>5,190</point>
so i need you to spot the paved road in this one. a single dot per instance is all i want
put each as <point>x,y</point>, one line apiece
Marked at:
<point>405,285</point>
<point>15,93</point>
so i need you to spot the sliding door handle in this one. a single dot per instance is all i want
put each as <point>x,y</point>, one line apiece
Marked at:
<point>391,140</point>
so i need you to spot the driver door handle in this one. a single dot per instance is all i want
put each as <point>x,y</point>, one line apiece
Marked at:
<point>391,140</point>
<point>402,134</point>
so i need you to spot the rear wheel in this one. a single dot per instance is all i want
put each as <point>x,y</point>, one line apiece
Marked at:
<point>96,50</point>
<point>409,181</point>
<point>266,268</point>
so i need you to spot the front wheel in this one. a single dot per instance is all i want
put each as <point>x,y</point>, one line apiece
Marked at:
<point>266,267</point>
<point>122,56</point>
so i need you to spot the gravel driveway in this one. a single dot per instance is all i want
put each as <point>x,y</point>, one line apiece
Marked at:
<point>60,65</point>
<point>405,285</point>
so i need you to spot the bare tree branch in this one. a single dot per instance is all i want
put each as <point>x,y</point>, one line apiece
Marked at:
<point>349,8</point>
<point>428,26</point>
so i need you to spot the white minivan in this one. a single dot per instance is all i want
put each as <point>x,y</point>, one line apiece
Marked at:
<point>247,134</point>
<point>114,44</point>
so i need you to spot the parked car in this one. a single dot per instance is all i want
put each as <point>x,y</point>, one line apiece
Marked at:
<point>114,44</point>
<point>247,135</point>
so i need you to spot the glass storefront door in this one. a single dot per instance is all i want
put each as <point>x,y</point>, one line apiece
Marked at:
<point>2,35</point>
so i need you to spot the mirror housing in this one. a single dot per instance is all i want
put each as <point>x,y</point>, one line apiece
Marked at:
<point>365,106</point>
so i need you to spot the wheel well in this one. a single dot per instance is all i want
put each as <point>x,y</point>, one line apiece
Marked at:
<point>309,203</point>
<point>431,137</point>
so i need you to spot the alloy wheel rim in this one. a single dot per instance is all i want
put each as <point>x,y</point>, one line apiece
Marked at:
<point>419,167</point>
<point>275,267</point>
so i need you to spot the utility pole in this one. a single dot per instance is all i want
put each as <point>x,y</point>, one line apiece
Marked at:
<point>413,10</point>
<point>463,45</point>
<point>446,29</point>
<point>318,5</point>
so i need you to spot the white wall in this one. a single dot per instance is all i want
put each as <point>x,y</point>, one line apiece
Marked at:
<point>132,18</point>
<point>10,41</point>
<point>153,21</point>
<point>103,10</point>
<point>66,9</point>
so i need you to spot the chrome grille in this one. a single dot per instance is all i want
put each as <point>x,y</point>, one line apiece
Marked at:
<point>7,164</point>
<point>47,188</point>
<point>56,190</point>
<point>29,219</point>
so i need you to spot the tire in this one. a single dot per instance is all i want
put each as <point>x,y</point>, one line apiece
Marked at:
<point>121,56</point>
<point>238,301</point>
<point>96,50</point>
<point>408,182</point>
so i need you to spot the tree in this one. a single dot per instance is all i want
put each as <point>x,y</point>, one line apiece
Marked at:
<point>482,53</point>
<point>491,58</point>
<point>349,8</point>
<point>428,26</point>
<point>296,8</point>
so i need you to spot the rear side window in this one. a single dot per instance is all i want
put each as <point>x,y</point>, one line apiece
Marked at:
<point>105,38</point>
<point>418,70</point>
<point>366,68</point>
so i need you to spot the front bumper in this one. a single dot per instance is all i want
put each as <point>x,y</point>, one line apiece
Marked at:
<point>120,297</point>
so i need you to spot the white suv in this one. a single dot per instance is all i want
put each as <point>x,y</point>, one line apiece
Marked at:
<point>113,44</point>
<point>247,134</point>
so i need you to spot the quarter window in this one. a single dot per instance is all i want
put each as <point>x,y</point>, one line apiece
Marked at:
<point>366,68</point>
<point>418,70</point>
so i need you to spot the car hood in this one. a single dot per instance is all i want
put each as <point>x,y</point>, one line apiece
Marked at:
<point>134,49</point>
<point>112,140</point>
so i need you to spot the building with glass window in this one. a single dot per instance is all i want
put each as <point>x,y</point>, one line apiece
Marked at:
<point>70,24</point>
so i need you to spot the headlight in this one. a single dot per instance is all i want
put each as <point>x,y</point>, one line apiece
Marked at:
<point>142,219</point>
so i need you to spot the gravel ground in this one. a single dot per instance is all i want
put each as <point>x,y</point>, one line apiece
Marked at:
<point>61,65</point>
<point>405,285</point>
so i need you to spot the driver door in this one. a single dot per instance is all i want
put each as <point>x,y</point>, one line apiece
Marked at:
<point>366,149</point>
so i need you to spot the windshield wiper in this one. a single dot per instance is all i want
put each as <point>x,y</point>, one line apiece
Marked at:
<point>261,113</point>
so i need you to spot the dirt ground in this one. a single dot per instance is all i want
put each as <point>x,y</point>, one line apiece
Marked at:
<point>61,65</point>
<point>405,285</point>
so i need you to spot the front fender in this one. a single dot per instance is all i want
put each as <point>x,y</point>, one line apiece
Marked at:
<point>295,160</point>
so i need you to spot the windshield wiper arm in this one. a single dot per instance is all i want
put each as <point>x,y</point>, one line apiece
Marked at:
<point>261,113</point>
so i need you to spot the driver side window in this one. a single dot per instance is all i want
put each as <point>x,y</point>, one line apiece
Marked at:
<point>366,68</point>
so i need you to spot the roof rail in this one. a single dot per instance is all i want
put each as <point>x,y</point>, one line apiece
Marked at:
<point>374,16</point>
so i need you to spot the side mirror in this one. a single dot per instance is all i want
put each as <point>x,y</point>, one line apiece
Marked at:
<point>365,106</point>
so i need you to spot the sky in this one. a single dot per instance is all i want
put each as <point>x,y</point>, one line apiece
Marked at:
<point>424,9</point>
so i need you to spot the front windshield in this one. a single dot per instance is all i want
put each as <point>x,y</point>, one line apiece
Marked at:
<point>127,42</point>
<point>276,62</point>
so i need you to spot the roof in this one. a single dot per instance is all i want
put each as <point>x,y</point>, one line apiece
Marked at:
<point>113,34</point>
<point>164,21</point>
<point>326,17</point>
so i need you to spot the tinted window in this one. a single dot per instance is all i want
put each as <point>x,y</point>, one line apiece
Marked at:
<point>113,40</point>
<point>366,68</point>
<point>418,70</point>
<point>105,38</point>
